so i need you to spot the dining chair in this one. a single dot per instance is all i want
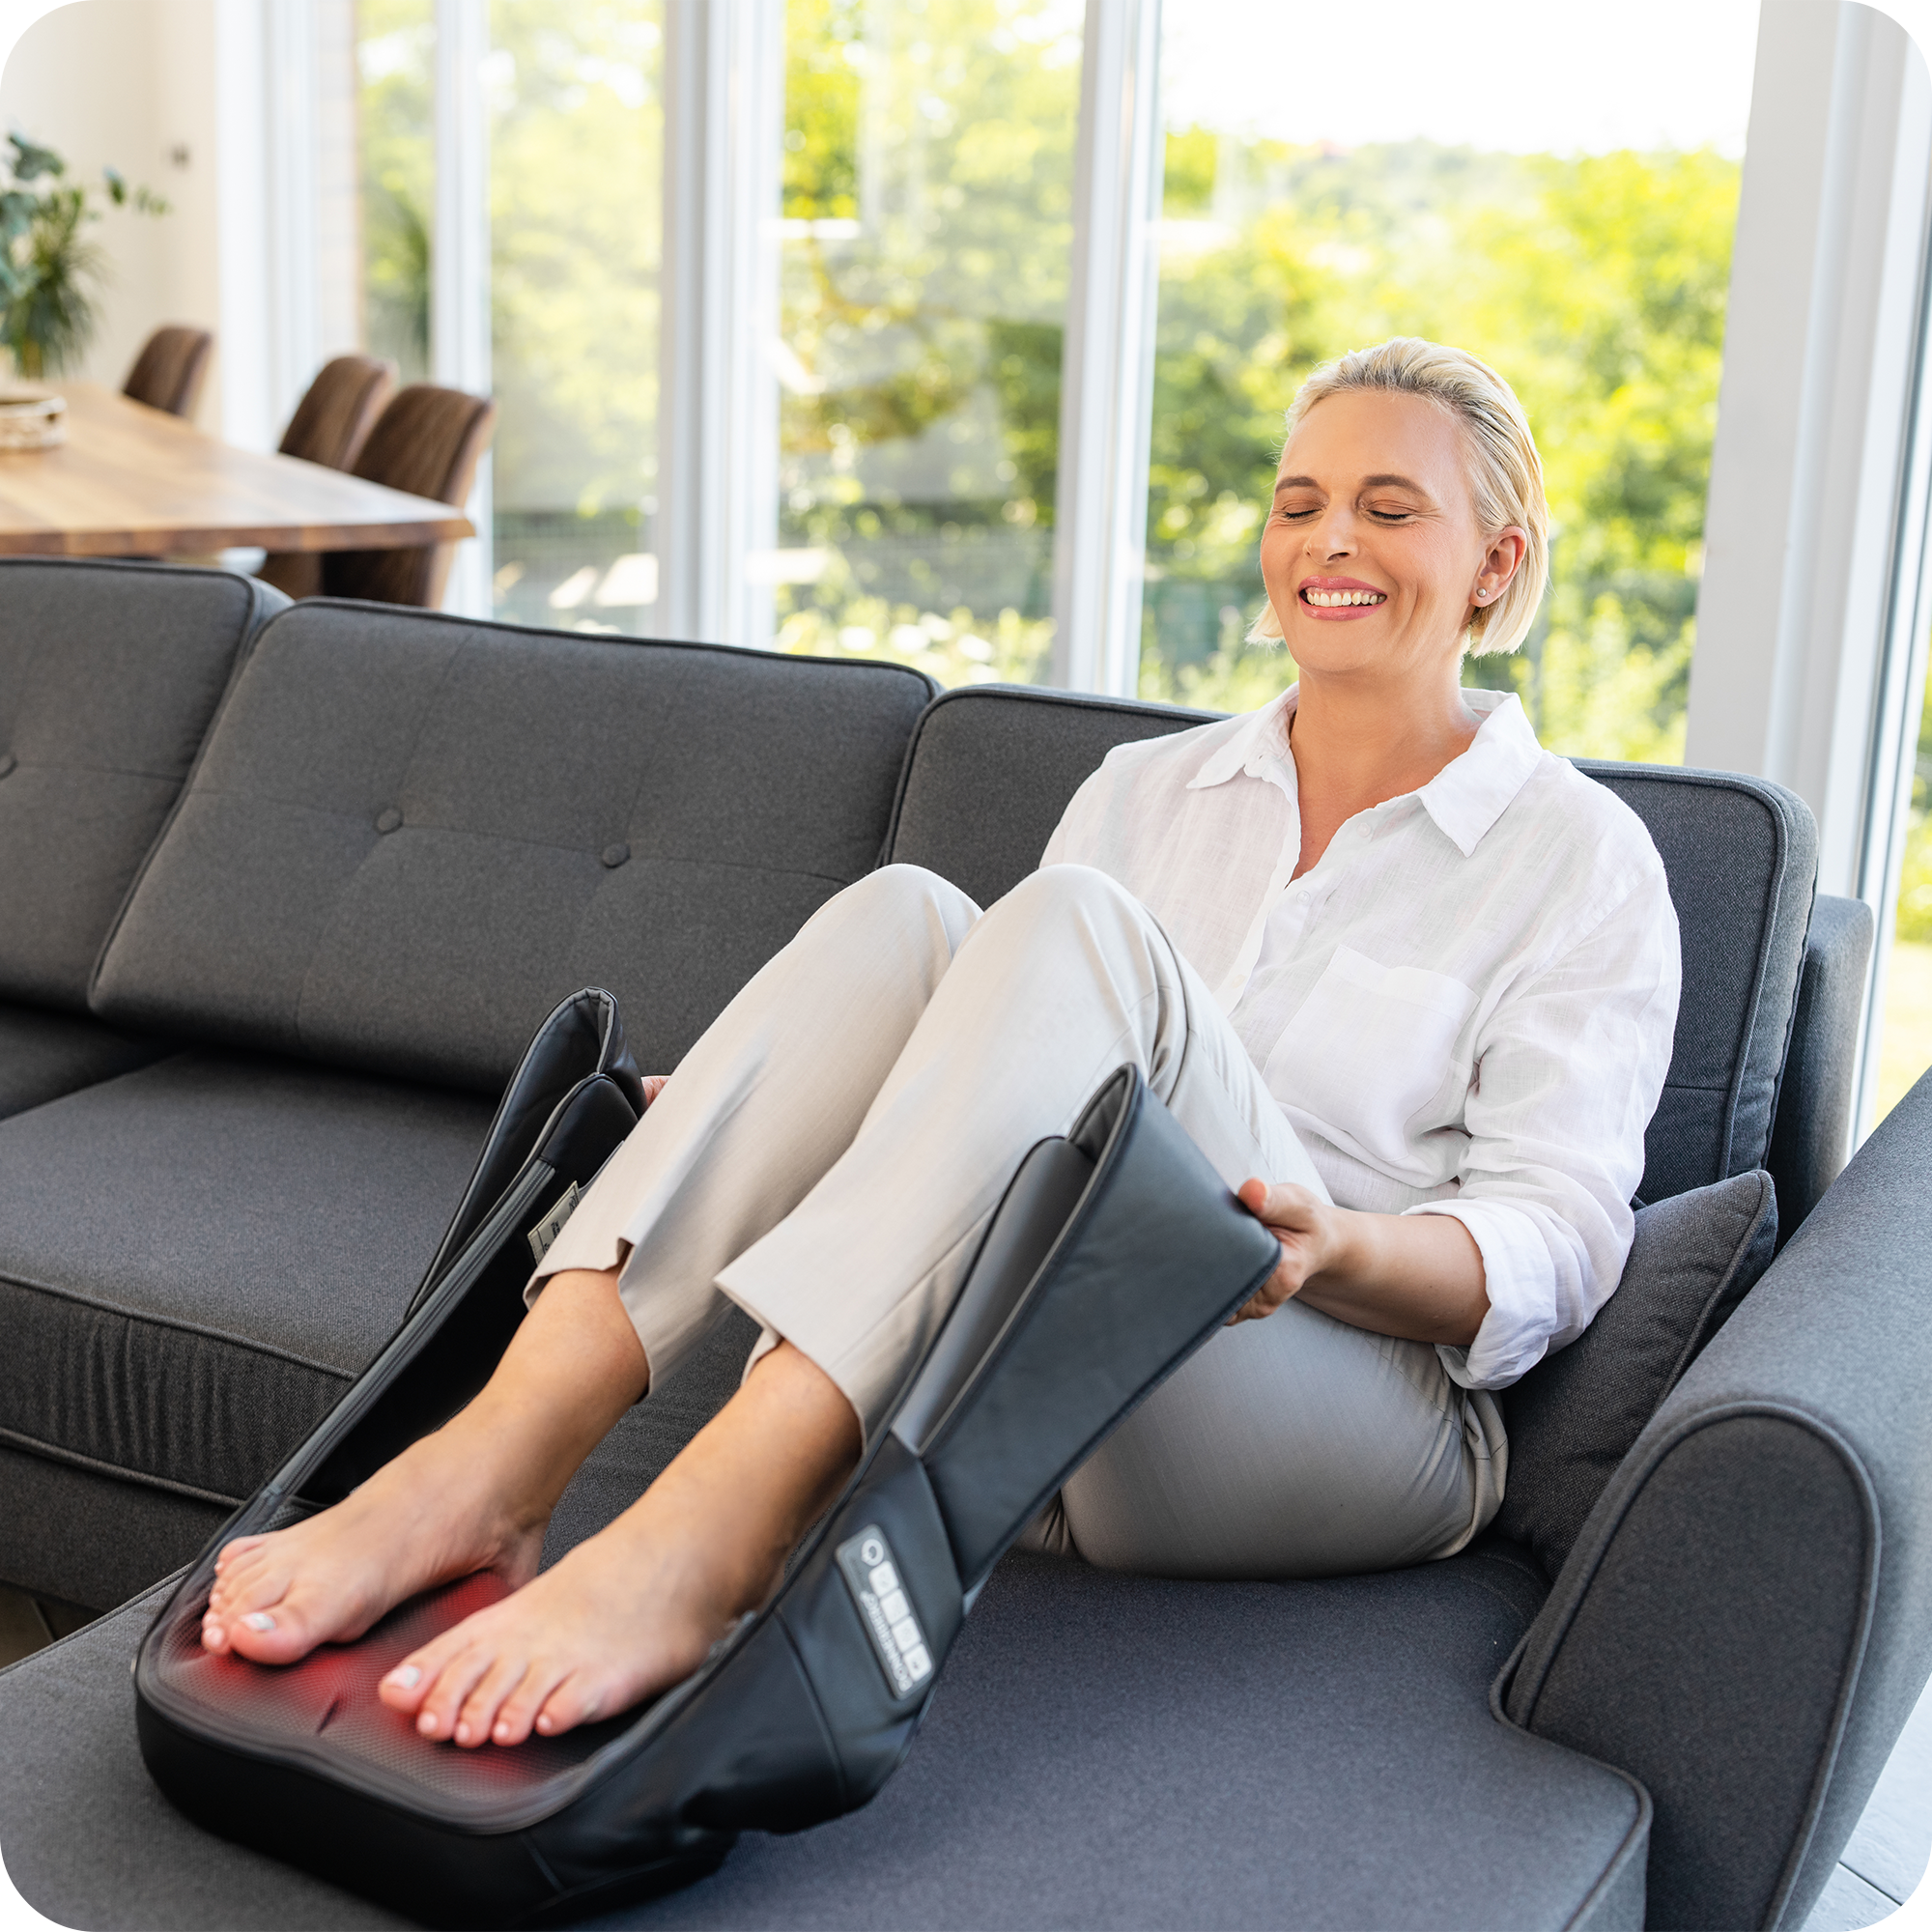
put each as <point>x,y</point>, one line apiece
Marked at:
<point>331,425</point>
<point>428,441</point>
<point>167,374</point>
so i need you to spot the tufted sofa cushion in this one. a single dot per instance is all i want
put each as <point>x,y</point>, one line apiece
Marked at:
<point>410,837</point>
<point>109,674</point>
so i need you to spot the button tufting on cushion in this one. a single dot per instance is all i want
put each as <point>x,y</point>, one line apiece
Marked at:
<point>387,821</point>
<point>7,763</point>
<point>615,855</point>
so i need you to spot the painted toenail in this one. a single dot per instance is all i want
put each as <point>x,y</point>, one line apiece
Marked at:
<point>406,1677</point>
<point>261,1620</point>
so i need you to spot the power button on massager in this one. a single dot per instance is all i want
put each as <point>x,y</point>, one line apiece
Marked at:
<point>872,1576</point>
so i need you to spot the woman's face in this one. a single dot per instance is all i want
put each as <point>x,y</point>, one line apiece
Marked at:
<point>1372,554</point>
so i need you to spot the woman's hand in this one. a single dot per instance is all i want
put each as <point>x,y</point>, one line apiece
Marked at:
<point>1305,1226</point>
<point>654,1085</point>
<point>1415,1276</point>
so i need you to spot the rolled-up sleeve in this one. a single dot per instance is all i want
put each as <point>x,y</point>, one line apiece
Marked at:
<point>1569,1067</point>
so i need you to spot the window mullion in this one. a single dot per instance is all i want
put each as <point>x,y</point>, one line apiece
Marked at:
<point>1107,362</point>
<point>717,399</point>
<point>460,349</point>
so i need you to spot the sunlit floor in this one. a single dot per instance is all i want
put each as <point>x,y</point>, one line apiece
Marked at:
<point>1887,1858</point>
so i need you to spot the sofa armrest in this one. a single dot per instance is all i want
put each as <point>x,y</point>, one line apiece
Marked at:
<point>1745,1621</point>
<point>1812,1127</point>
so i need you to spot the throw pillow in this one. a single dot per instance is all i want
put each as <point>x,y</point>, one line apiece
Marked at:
<point>1572,1419</point>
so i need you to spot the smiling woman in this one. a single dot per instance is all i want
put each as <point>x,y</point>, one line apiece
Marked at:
<point>1439,1118</point>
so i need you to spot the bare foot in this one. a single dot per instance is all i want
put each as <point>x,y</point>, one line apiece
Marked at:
<point>634,1609</point>
<point>435,1512</point>
<point>624,1615</point>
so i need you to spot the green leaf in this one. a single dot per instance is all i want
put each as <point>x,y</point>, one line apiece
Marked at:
<point>31,162</point>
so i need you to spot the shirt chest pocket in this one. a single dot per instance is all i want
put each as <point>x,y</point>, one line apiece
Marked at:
<point>1369,1048</point>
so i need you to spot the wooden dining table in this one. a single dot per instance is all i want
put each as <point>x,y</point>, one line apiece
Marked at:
<point>133,481</point>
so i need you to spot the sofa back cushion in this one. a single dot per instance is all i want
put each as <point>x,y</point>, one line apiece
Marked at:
<point>412,834</point>
<point>992,770</point>
<point>109,673</point>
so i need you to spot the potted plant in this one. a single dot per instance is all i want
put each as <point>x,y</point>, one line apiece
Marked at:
<point>48,264</point>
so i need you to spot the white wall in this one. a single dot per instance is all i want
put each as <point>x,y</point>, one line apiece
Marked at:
<point>130,84</point>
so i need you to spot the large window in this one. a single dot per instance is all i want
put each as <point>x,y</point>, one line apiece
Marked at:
<point>575,130</point>
<point>575,127</point>
<point>1557,200</point>
<point>395,59</point>
<point>927,223</point>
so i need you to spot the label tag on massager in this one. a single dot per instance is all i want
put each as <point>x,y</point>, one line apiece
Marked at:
<point>543,1236</point>
<point>884,1610</point>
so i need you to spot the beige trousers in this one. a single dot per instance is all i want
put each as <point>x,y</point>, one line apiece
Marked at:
<point>827,1157</point>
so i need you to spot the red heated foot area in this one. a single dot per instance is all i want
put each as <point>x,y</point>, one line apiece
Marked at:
<point>331,1694</point>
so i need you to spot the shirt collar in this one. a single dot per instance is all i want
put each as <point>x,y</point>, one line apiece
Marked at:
<point>1253,740</point>
<point>1465,798</point>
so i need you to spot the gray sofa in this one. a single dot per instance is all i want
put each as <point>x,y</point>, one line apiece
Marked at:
<point>403,836</point>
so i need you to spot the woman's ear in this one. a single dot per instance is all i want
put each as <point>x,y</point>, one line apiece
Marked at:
<point>1500,562</point>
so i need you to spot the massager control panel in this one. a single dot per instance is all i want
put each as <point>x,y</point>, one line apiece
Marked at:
<point>872,1576</point>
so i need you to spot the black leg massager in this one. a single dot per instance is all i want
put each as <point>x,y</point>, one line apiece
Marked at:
<point>1115,1253</point>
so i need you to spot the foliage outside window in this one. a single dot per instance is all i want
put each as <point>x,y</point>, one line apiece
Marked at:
<point>1594,284</point>
<point>395,52</point>
<point>927,228</point>
<point>576,123</point>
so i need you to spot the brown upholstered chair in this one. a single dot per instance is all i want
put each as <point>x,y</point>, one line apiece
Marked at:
<point>329,426</point>
<point>168,373</point>
<point>428,441</point>
<point>332,422</point>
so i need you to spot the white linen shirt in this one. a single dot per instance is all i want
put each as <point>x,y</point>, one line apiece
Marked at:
<point>1466,1009</point>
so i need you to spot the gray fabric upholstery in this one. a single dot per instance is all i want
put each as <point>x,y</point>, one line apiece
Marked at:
<point>410,836</point>
<point>197,1257</point>
<point>1747,1620</point>
<point>1107,1751</point>
<point>109,674</point>
<point>90,1536</point>
<point>991,771</point>
<point>1814,1103</point>
<point>1573,1418</point>
<point>992,768</point>
<point>43,1055</point>
<point>1742,857</point>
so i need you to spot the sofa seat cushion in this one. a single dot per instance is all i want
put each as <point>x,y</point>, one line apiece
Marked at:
<point>196,1259</point>
<point>43,1055</point>
<point>1105,1752</point>
<point>410,836</point>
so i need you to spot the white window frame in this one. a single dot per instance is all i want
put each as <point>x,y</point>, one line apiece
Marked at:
<point>717,410</point>
<point>1106,389</point>
<point>458,287</point>
<point>1805,670</point>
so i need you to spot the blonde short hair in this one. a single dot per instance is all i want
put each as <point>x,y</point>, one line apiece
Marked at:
<point>1505,471</point>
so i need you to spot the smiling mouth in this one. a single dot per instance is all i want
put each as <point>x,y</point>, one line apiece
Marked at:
<point>1331,600</point>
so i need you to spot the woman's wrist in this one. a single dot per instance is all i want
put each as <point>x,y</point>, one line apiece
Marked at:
<point>1347,1247</point>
